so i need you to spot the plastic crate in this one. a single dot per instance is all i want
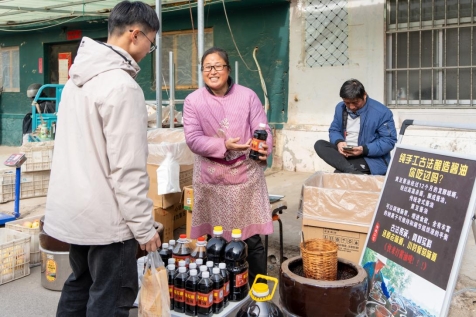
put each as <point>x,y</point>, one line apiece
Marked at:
<point>34,184</point>
<point>38,156</point>
<point>34,233</point>
<point>14,255</point>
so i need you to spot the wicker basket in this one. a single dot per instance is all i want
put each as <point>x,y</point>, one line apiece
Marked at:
<point>319,257</point>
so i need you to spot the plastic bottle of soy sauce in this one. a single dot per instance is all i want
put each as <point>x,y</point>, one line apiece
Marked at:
<point>165,253</point>
<point>236,252</point>
<point>182,250</point>
<point>191,286</point>
<point>226,282</point>
<point>170,277</point>
<point>259,138</point>
<point>216,246</point>
<point>179,290</point>
<point>200,251</point>
<point>218,284</point>
<point>205,296</point>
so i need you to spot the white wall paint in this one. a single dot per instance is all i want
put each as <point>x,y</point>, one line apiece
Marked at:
<point>314,92</point>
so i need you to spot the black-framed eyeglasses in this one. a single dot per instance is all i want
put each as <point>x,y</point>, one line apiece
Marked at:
<point>216,67</point>
<point>153,47</point>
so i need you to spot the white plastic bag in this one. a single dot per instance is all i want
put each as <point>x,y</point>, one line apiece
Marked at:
<point>154,298</point>
<point>168,176</point>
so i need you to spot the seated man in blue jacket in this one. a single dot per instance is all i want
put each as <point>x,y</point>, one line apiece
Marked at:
<point>362,133</point>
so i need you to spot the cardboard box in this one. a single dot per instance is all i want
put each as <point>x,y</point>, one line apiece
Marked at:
<point>188,198</point>
<point>172,218</point>
<point>350,239</point>
<point>168,200</point>
<point>340,207</point>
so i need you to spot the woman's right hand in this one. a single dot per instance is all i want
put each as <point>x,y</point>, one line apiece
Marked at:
<point>232,144</point>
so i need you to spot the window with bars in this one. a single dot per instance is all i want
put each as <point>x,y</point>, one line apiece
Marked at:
<point>10,69</point>
<point>431,53</point>
<point>184,46</point>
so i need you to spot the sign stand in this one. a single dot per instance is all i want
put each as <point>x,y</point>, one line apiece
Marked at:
<point>15,160</point>
<point>417,238</point>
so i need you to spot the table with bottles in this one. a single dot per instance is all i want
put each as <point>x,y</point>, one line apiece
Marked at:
<point>231,310</point>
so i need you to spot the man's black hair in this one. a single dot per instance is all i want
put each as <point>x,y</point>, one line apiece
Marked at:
<point>126,14</point>
<point>221,52</point>
<point>352,89</point>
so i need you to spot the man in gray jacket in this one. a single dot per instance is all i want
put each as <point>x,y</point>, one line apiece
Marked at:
<point>97,198</point>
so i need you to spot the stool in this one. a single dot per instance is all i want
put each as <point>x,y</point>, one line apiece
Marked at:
<point>277,208</point>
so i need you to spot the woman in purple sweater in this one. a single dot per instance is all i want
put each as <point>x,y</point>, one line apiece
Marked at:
<point>229,187</point>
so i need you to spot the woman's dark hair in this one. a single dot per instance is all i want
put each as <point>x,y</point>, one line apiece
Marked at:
<point>126,14</point>
<point>221,52</point>
<point>352,89</point>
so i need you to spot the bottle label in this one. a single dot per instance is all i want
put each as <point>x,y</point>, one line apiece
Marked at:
<point>226,288</point>
<point>257,145</point>
<point>178,258</point>
<point>205,300</point>
<point>179,295</point>
<point>171,291</point>
<point>191,298</point>
<point>218,295</point>
<point>241,279</point>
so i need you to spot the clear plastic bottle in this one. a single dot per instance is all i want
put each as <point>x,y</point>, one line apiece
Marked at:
<point>210,267</point>
<point>200,251</point>
<point>199,262</point>
<point>236,252</point>
<point>170,277</point>
<point>182,250</point>
<point>171,245</point>
<point>202,268</point>
<point>218,284</point>
<point>191,286</point>
<point>216,246</point>
<point>205,296</point>
<point>226,282</point>
<point>179,290</point>
<point>192,266</point>
<point>180,264</point>
<point>259,138</point>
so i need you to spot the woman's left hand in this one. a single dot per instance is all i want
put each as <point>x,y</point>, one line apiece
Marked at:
<point>264,152</point>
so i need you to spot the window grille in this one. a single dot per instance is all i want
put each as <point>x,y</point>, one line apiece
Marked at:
<point>10,69</point>
<point>326,32</point>
<point>431,53</point>
<point>183,44</point>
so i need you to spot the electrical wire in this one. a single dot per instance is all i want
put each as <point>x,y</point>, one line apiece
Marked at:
<point>468,289</point>
<point>263,84</point>
<point>233,38</point>
<point>42,28</point>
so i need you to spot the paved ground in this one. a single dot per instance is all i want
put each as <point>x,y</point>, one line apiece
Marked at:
<point>26,297</point>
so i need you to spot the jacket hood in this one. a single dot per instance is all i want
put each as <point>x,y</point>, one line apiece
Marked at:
<point>94,58</point>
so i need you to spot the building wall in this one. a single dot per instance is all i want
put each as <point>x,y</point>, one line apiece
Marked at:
<point>250,26</point>
<point>314,92</point>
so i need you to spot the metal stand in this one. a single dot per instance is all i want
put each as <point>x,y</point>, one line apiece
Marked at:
<point>4,218</point>
<point>277,208</point>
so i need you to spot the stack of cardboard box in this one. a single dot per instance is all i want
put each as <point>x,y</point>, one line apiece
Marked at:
<point>168,208</point>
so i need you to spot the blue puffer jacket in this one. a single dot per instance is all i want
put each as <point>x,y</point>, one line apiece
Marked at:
<point>377,133</point>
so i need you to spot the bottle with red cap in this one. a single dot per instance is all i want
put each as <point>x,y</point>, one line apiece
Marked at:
<point>200,251</point>
<point>182,250</point>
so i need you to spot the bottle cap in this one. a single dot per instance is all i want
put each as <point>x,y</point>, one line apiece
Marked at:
<point>216,270</point>
<point>236,233</point>
<point>171,242</point>
<point>201,239</point>
<point>222,266</point>
<point>199,262</point>
<point>182,269</point>
<point>205,274</point>
<point>171,261</point>
<point>183,236</point>
<point>262,125</point>
<point>218,230</point>
<point>165,245</point>
<point>210,263</point>
<point>181,263</point>
<point>193,273</point>
<point>192,266</point>
<point>260,289</point>
<point>203,268</point>
<point>171,267</point>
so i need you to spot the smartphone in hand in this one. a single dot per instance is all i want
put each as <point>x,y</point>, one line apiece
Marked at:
<point>347,148</point>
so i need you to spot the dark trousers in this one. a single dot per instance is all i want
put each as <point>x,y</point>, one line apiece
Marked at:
<point>103,283</point>
<point>330,154</point>
<point>256,257</point>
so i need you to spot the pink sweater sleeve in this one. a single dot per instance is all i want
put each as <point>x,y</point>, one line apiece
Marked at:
<point>196,140</point>
<point>257,116</point>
